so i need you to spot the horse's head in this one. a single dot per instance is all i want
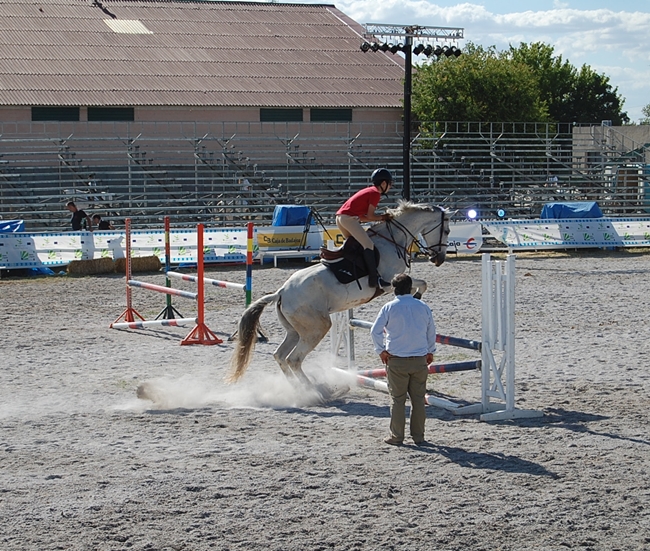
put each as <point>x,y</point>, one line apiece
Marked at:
<point>431,222</point>
<point>436,236</point>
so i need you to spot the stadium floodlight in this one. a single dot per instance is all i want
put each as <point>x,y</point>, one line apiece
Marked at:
<point>399,38</point>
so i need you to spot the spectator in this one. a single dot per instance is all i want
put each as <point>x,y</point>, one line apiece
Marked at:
<point>101,224</point>
<point>78,216</point>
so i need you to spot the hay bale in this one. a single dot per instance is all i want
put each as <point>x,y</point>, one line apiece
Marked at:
<point>90,267</point>
<point>139,264</point>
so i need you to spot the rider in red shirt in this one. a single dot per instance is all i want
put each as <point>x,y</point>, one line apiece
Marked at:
<point>361,208</point>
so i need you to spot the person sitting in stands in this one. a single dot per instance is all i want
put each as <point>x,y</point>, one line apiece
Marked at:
<point>102,224</point>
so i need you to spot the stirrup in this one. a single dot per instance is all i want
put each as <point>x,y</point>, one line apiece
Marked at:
<point>382,282</point>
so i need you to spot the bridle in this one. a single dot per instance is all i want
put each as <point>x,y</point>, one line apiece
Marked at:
<point>403,250</point>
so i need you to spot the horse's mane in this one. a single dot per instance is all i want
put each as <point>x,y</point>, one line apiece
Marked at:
<point>404,206</point>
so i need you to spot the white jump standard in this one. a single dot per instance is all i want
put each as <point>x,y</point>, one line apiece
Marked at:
<point>497,347</point>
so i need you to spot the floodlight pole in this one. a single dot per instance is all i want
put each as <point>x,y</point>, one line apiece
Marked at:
<point>384,32</point>
<point>406,144</point>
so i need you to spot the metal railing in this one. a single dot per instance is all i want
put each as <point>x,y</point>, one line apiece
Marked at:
<point>225,174</point>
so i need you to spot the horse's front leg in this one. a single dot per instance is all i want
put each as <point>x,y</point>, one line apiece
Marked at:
<point>418,288</point>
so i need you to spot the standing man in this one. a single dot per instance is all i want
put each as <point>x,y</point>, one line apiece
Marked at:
<point>404,336</point>
<point>78,216</point>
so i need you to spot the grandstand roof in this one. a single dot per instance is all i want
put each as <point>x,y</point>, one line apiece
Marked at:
<point>189,53</point>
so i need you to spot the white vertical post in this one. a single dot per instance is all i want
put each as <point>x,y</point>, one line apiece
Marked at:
<point>341,335</point>
<point>509,331</point>
<point>350,339</point>
<point>499,334</point>
<point>487,329</point>
<point>498,306</point>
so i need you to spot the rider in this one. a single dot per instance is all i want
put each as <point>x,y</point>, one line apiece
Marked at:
<point>361,208</point>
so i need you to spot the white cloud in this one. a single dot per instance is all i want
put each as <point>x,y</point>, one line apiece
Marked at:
<point>616,43</point>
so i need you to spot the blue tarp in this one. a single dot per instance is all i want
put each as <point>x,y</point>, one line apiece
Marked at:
<point>579,209</point>
<point>291,215</point>
<point>12,226</point>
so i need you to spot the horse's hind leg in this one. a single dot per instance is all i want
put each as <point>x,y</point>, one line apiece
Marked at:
<point>310,336</point>
<point>285,348</point>
<point>287,345</point>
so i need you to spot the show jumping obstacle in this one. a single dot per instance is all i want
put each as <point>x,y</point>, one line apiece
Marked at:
<point>246,287</point>
<point>200,334</point>
<point>497,349</point>
<point>169,311</point>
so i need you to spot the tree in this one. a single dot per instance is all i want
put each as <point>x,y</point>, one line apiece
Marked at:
<point>554,77</point>
<point>646,111</point>
<point>571,95</point>
<point>478,86</point>
<point>526,84</point>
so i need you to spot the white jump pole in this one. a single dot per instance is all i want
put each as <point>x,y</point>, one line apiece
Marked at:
<point>154,323</point>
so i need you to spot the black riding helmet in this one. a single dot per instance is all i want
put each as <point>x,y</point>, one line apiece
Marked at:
<point>381,174</point>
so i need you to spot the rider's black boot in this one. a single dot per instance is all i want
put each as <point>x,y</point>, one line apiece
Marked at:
<point>369,259</point>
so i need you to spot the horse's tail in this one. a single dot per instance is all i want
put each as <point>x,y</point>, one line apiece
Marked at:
<point>246,336</point>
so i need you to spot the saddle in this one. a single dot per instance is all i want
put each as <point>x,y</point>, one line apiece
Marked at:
<point>346,262</point>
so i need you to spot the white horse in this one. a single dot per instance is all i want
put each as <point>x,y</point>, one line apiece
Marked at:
<point>306,300</point>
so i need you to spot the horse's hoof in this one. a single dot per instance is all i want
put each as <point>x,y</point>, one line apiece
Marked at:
<point>339,392</point>
<point>147,391</point>
<point>328,394</point>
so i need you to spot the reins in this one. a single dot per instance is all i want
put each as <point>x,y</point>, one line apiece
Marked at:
<point>403,250</point>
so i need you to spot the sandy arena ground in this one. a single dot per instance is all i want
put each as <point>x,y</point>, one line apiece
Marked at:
<point>86,465</point>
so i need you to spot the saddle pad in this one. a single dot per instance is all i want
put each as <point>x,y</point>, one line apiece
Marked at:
<point>347,263</point>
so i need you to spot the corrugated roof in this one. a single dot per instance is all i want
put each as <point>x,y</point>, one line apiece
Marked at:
<point>63,52</point>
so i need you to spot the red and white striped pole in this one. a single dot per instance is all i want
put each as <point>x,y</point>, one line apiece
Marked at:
<point>200,334</point>
<point>129,314</point>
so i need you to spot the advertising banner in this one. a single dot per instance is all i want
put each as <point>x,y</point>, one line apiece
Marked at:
<point>571,233</point>
<point>221,245</point>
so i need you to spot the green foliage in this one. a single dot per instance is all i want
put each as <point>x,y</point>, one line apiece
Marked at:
<point>477,86</point>
<point>554,76</point>
<point>526,83</point>
<point>594,100</point>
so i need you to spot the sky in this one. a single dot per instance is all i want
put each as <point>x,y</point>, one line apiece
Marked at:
<point>613,38</point>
